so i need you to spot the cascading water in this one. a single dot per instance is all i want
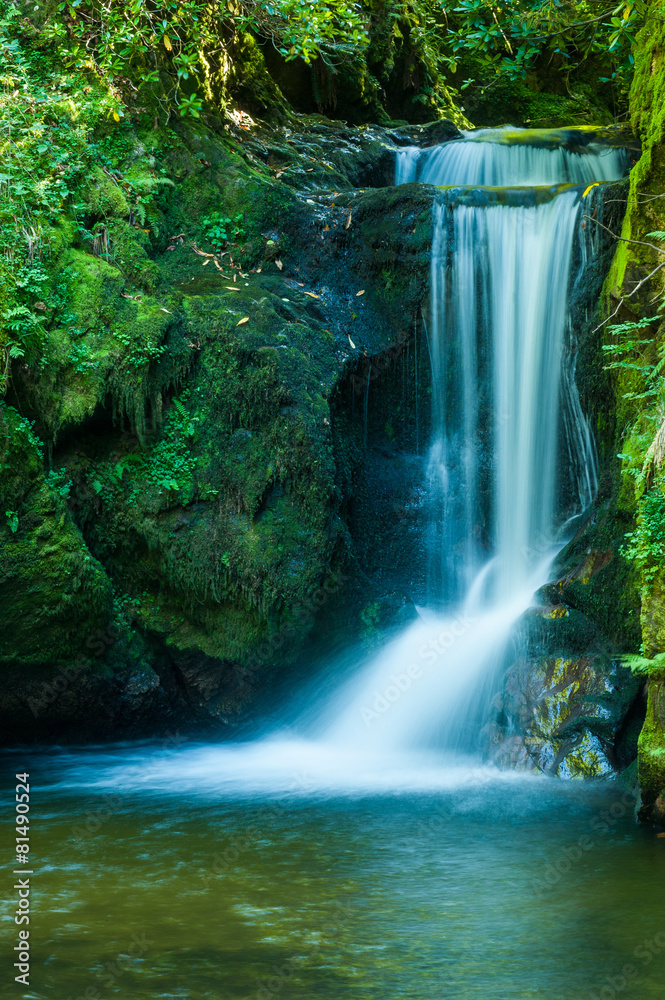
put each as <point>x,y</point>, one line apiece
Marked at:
<point>511,461</point>
<point>508,212</point>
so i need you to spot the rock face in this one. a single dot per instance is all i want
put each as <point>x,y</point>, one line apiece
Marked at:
<point>204,424</point>
<point>633,288</point>
<point>568,707</point>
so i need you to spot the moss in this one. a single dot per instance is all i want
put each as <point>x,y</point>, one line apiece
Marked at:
<point>104,197</point>
<point>104,346</point>
<point>651,757</point>
<point>129,252</point>
<point>639,418</point>
<point>51,589</point>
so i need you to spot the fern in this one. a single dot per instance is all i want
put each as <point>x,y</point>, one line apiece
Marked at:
<point>181,409</point>
<point>641,665</point>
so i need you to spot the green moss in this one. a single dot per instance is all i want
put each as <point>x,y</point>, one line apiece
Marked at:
<point>104,197</point>
<point>51,589</point>
<point>639,418</point>
<point>651,757</point>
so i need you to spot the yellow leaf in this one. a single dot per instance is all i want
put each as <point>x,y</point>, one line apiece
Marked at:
<point>116,116</point>
<point>312,295</point>
<point>167,44</point>
<point>627,12</point>
<point>242,321</point>
<point>362,292</point>
<point>279,264</point>
<point>586,191</point>
<point>232,288</point>
<point>348,222</point>
<point>351,342</point>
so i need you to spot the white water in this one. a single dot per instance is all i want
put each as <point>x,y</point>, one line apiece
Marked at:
<point>487,158</point>
<point>505,409</point>
<point>508,431</point>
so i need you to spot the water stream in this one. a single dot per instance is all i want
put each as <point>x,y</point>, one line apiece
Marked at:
<point>369,853</point>
<point>505,408</point>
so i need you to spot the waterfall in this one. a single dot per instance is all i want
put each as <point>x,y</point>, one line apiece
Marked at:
<point>511,460</point>
<point>507,215</point>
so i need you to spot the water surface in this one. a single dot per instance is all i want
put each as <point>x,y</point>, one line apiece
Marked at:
<point>231,872</point>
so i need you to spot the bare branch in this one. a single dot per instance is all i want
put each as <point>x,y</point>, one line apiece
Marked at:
<point>624,239</point>
<point>629,294</point>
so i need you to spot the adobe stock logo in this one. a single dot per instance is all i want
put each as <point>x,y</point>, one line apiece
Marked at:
<point>401,682</point>
<point>645,953</point>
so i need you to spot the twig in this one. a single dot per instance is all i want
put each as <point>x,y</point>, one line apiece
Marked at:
<point>624,239</point>
<point>630,294</point>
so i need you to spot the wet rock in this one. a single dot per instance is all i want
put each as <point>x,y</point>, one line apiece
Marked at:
<point>567,707</point>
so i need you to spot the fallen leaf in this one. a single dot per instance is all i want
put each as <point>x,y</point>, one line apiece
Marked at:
<point>361,292</point>
<point>351,342</point>
<point>586,190</point>
<point>232,288</point>
<point>310,201</point>
<point>312,295</point>
<point>234,278</point>
<point>40,305</point>
<point>279,264</point>
<point>348,221</point>
<point>242,321</point>
<point>165,310</point>
<point>219,268</point>
<point>178,237</point>
<point>201,253</point>
<point>326,228</point>
<point>206,262</point>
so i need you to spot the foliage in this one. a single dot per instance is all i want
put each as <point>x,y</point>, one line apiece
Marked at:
<point>645,546</point>
<point>513,39</point>
<point>173,48</point>
<point>167,467</point>
<point>57,480</point>
<point>46,145</point>
<point>219,230</point>
<point>628,355</point>
<point>640,665</point>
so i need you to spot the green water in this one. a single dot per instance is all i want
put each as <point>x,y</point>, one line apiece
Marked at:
<point>473,890</point>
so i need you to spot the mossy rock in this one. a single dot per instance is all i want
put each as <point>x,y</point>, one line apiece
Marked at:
<point>54,593</point>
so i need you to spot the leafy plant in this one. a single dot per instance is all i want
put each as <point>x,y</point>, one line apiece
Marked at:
<point>509,40</point>
<point>57,480</point>
<point>645,546</point>
<point>218,230</point>
<point>12,520</point>
<point>168,466</point>
<point>640,665</point>
<point>175,49</point>
<point>627,354</point>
